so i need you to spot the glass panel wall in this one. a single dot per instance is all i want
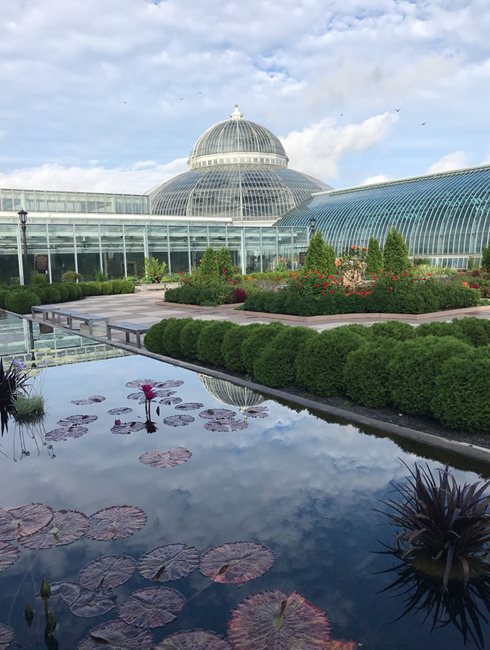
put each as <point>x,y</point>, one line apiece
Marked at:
<point>88,250</point>
<point>112,251</point>
<point>179,248</point>
<point>198,244</point>
<point>234,239</point>
<point>252,250</point>
<point>9,258</point>
<point>158,242</point>
<point>134,237</point>
<point>62,250</point>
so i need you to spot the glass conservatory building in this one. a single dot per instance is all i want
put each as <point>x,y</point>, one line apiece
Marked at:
<point>444,217</point>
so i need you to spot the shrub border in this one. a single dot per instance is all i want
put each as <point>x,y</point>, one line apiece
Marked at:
<point>463,449</point>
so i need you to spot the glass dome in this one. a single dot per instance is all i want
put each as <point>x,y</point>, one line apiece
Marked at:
<point>233,141</point>
<point>231,394</point>
<point>238,172</point>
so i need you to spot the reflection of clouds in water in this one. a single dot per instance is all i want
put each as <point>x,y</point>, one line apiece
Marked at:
<point>291,481</point>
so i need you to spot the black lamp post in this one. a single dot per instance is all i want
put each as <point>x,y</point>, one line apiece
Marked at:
<point>311,227</point>
<point>23,224</point>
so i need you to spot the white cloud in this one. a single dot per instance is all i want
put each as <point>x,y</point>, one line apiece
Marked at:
<point>317,149</point>
<point>373,180</point>
<point>137,179</point>
<point>453,160</point>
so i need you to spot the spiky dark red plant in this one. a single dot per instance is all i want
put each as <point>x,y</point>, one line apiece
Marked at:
<point>442,522</point>
<point>12,381</point>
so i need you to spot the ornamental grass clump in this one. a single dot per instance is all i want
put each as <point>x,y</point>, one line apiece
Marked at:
<point>28,409</point>
<point>443,528</point>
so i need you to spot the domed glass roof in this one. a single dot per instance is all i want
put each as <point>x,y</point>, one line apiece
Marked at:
<point>237,136</point>
<point>231,394</point>
<point>238,171</point>
<point>239,192</point>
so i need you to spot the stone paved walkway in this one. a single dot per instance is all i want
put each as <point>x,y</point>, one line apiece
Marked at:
<point>147,307</point>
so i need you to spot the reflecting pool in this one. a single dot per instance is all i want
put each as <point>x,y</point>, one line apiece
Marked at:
<point>305,488</point>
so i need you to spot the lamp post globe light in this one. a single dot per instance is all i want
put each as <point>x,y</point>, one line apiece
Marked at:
<point>23,224</point>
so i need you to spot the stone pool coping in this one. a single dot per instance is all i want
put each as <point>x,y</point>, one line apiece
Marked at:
<point>467,450</point>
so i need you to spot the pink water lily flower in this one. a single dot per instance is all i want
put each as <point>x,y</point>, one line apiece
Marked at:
<point>148,391</point>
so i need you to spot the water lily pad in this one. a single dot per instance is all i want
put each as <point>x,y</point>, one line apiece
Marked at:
<point>237,562</point>
<point>126,428</point>
<point>77,419</point>
<point>256,412</point>
<point>120,410</point>
<point>178,420</point>
<point>162,459</point>
<point>65,433</point>
<point>169,562</point>
<point>189,406</point>
<point>16,523</point>
<point>170,401</point>
<point>107,572</point>
<point>194,640</point>
<point>8,555</point>
<point>67,526</point>
<point>93,399</point>
<point>217,414</point>
<point>6,636</point>
<point>116,522</point>
<point>117,635</point>
<point>93,603</point>
<point>273,620</point>
<point>170,383</point>
<point>137,383</point>
<point>225,426</point>
<point>140,397</point>
<point>152,607</point>
<point>64,593</point>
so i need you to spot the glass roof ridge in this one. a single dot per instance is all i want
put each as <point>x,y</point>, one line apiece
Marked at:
<point>400,181</point>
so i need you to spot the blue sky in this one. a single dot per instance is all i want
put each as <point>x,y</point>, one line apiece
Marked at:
<point>111,95</point>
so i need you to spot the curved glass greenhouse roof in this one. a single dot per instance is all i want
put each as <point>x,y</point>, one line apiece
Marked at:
<point>238,171</point>
<point>441,215</point>
<point>239,192</point>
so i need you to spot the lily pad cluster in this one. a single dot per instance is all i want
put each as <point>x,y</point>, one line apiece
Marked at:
<point>36,526</point>
<point>73,426</point>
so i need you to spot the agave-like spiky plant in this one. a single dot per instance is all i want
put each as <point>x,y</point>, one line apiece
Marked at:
<point>12,382</point>
<point>465,607</point>
<point>442,524</point>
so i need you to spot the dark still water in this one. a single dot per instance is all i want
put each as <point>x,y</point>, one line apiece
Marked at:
<point>305,488</point>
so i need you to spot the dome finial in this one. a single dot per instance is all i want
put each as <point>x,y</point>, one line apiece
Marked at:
<point>236,115</point>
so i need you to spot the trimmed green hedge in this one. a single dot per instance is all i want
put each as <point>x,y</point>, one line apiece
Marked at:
<point>446,377</point>
<point>20,299</point>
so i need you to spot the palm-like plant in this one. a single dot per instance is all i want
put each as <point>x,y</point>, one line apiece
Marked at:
<point>443,527</point>
<point>13,381</point>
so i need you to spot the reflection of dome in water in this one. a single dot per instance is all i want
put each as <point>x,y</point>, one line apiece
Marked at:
<point>231,394</point>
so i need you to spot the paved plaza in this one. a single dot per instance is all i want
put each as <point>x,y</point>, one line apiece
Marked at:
<point>147,307</point>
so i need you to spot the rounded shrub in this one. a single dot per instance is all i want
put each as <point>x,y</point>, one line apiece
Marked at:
<point>253,344</point>
<point>91,288</point>
<point>210,341</point>
<point>232,347</point>
<point>437,329</point>
<point>72,290</point>
<point>189,336</point>
<point>320,369</point>
<point>171,341</point>
<point>106,288</point>
<point>414,368</point>
<point>393,329</point>
<point>20,301</point>
<point>51,294</point>
<point>256,301</point>
<point>475,331</point>
<point>3,295</point>
<point>63,291</point>
<point>366,374</point>
<point>362,330</point>
<point>154,337</point>
<point>461,394</point>
<point>276,364</point>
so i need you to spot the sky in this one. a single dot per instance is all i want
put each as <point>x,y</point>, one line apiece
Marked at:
<point>111,96</point>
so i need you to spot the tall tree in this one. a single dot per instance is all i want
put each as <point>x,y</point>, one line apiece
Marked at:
<point>374,258</point>
<point>395,253</point>
<point>208,270</point>
<point>320,256</point>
